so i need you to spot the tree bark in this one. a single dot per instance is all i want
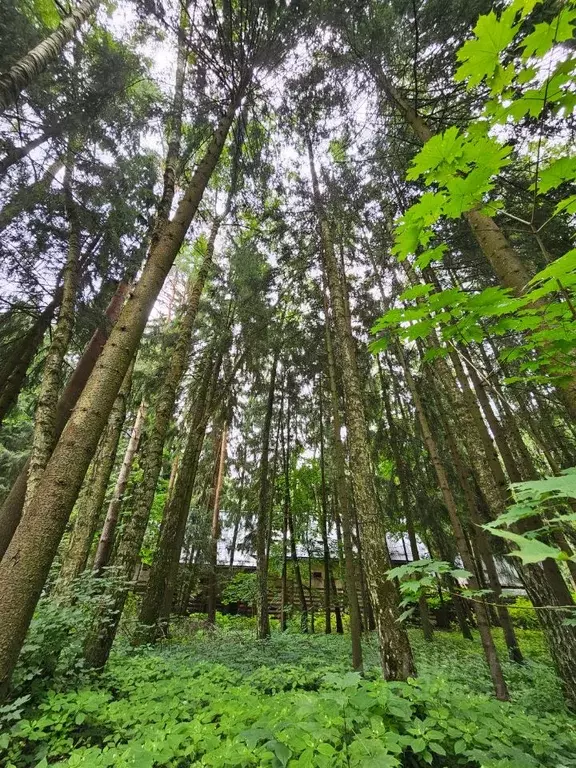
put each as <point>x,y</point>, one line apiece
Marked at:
<point>15,369</point>
<point>106,541</point>
<point>26,564</point>
<point>27,69</point>
<point>173,528</point>
<point>324,521</point>
<point>45,430</point>
<point>395,652</point>
<point>91,499</point>
<point>11,510</point>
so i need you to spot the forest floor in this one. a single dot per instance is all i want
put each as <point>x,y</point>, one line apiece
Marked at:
<point>220,698</point>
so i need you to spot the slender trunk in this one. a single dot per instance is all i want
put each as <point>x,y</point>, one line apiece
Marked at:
<point>27,69</point>
<point>485,555</point>
<point>395,652</point>
<point>298,574</point>
<point>343,505</point>
<point>27,562</point>
<point>480,610</point>
<point>263,627</point>
<point>215,528</point>
<point>91,499</point>
<point>45,436</point>
<point>172,532</point>
<point>11,510</point>
<point>106,541</point>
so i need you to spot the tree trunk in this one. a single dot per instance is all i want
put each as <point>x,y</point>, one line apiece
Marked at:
<point>215,528</point>
<point>343,501</point>
<point>45,434</point>
<point>93,493</point>
<point>11,510</point>
<point>324,522</point>
<point>27,69</point>
<point>172,532</point>
<point>106,541</point>
<point>298,574</point>
<point>480,610</point>
<point>395,652</point>
<point>26,564</point>
<point>263,626</point>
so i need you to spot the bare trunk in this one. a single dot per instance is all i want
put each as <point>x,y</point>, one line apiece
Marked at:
<point>106,541</point>
<point>15,369</point>
<point>324,521</point>
<point>343,502</point>
<point>215,528</point>
<point>45,431</point>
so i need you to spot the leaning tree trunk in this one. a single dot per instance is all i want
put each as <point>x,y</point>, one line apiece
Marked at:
<point>106,541</point>
<point>27,69</point>
<point>173,527</point>
<point>25,566</point>
<point>45,433</point>
<point>480,610</point>
<point>11,510</point>
<point>395,652</point>
<point>93,493</point>
<point>263,625</point>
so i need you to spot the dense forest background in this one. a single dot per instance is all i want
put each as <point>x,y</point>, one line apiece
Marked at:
<point>286,285</point>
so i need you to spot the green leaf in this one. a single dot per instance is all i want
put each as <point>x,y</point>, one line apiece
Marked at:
<point>47,12</point>
<point>545,35</point>
<point>416,292</point>
<point>480,57</point>
<point>561,170</point>
<point>529,550</point>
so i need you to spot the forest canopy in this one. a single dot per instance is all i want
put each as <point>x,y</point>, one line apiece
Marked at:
<point>287,383</point>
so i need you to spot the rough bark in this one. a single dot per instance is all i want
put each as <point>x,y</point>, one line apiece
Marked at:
<point>26,564</point>
<point>93,493</point>
<point>11,510</point>
<point>395,652</point>
<point>324,521</point>
<point>173,528</point>
<point>106,541</point>
<point>27,69</point>
<point>45,431</point>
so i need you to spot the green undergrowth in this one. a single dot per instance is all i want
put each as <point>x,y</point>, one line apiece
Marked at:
<point>220,698</point>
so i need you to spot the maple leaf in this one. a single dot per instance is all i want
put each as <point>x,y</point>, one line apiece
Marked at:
<point>480,57</point>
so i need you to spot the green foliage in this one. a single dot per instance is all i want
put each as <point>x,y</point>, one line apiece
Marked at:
<point>462,169</point>
<point>292,703</point>
<point>420,577</point>
<point>537,499</point>
<point>241,588</point>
